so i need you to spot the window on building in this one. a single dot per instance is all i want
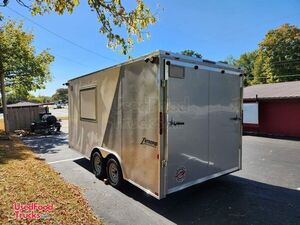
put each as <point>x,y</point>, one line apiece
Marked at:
<point>88,104</point>
<point>250,113</point>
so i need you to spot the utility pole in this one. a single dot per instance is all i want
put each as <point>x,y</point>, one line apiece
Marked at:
<point>4,106</point>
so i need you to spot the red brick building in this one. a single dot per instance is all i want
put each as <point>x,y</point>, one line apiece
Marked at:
<point>273,109</point>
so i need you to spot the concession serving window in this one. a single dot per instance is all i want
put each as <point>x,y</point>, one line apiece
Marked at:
<point>88,104</point>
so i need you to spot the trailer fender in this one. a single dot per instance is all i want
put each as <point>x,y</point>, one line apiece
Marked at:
<point>106,152</point>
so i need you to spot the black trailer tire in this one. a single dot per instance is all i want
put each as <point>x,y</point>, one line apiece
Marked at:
<point>98,165</point>
<point>114,173</point>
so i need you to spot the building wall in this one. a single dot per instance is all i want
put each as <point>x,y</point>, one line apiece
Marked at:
<point>277,117</point>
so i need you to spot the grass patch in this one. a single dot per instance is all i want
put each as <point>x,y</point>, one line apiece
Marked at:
<point>24,179</point>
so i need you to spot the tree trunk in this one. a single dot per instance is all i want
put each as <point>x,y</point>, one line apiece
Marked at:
<point>4,107</point>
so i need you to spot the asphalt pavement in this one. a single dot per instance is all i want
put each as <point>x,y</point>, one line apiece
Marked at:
<point>60,113</point>
<point>266,191</point>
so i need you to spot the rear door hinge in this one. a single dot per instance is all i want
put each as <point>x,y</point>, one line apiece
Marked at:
<point>163,83</point>
<point>164,163</point>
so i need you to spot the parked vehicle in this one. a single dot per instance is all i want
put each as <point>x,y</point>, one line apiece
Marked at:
<point>163,121</point>
<point>47,123</point>
<point>59,104</point>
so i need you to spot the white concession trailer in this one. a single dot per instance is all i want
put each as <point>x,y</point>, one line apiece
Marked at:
<point>163,121</point>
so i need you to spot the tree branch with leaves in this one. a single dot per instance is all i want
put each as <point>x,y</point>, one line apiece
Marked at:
<point>21,69</point>
<point>113,16</point>
<point>192,53</point>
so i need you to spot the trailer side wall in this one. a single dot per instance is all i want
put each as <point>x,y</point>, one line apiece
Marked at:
<point>127,120</point>
<point>85,134</point>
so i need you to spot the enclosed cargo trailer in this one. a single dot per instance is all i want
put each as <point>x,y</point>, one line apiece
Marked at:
<point>163,121</point>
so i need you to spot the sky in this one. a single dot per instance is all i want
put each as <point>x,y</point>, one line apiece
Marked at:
<point>215,28</point>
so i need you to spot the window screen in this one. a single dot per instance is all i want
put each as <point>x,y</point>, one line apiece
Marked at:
<point>177,71</point>
<point>88,104</point>
<point>250,113</point>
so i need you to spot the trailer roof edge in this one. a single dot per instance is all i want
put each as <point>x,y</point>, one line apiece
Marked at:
<point>170,55</point>
<point>119,64</point>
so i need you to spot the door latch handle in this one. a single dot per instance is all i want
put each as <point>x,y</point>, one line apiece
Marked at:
<point>235,118</point>
<point>175,123</point>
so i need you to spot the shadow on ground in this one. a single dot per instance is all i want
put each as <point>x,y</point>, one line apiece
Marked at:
<point>226,200</point>
<point>46,143</point>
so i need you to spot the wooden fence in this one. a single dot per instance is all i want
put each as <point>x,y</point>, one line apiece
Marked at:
<point>20,118</point>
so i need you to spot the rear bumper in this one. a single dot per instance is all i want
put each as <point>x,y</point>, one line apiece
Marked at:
<point>200,180</point>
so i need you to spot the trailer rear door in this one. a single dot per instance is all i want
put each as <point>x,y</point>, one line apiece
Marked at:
<point>203,124</point>
<point>188,150</point>
<point>224,122</point>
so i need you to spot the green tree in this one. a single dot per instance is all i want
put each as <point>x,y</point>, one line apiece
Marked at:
<point>44,99</point>
<point>38,99</point>
<point>279,56</point>
<point>12,98</point>
<point>246,62</point>
<point>21,69</point>
<point>230,60</point>
<point>112,15</point>
<point>60,94</point>
<point>258,71</point>
<point>192,53</point>
<point>276,60</point>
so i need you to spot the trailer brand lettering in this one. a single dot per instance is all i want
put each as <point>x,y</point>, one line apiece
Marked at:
<point>180,174</point>
<point>146,141</point>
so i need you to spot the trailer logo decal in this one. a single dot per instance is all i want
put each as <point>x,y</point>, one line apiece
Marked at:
<point>148,142</point>
<point>180,174</point>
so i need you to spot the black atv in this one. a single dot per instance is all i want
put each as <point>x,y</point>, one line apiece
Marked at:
<point>47,123</point>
